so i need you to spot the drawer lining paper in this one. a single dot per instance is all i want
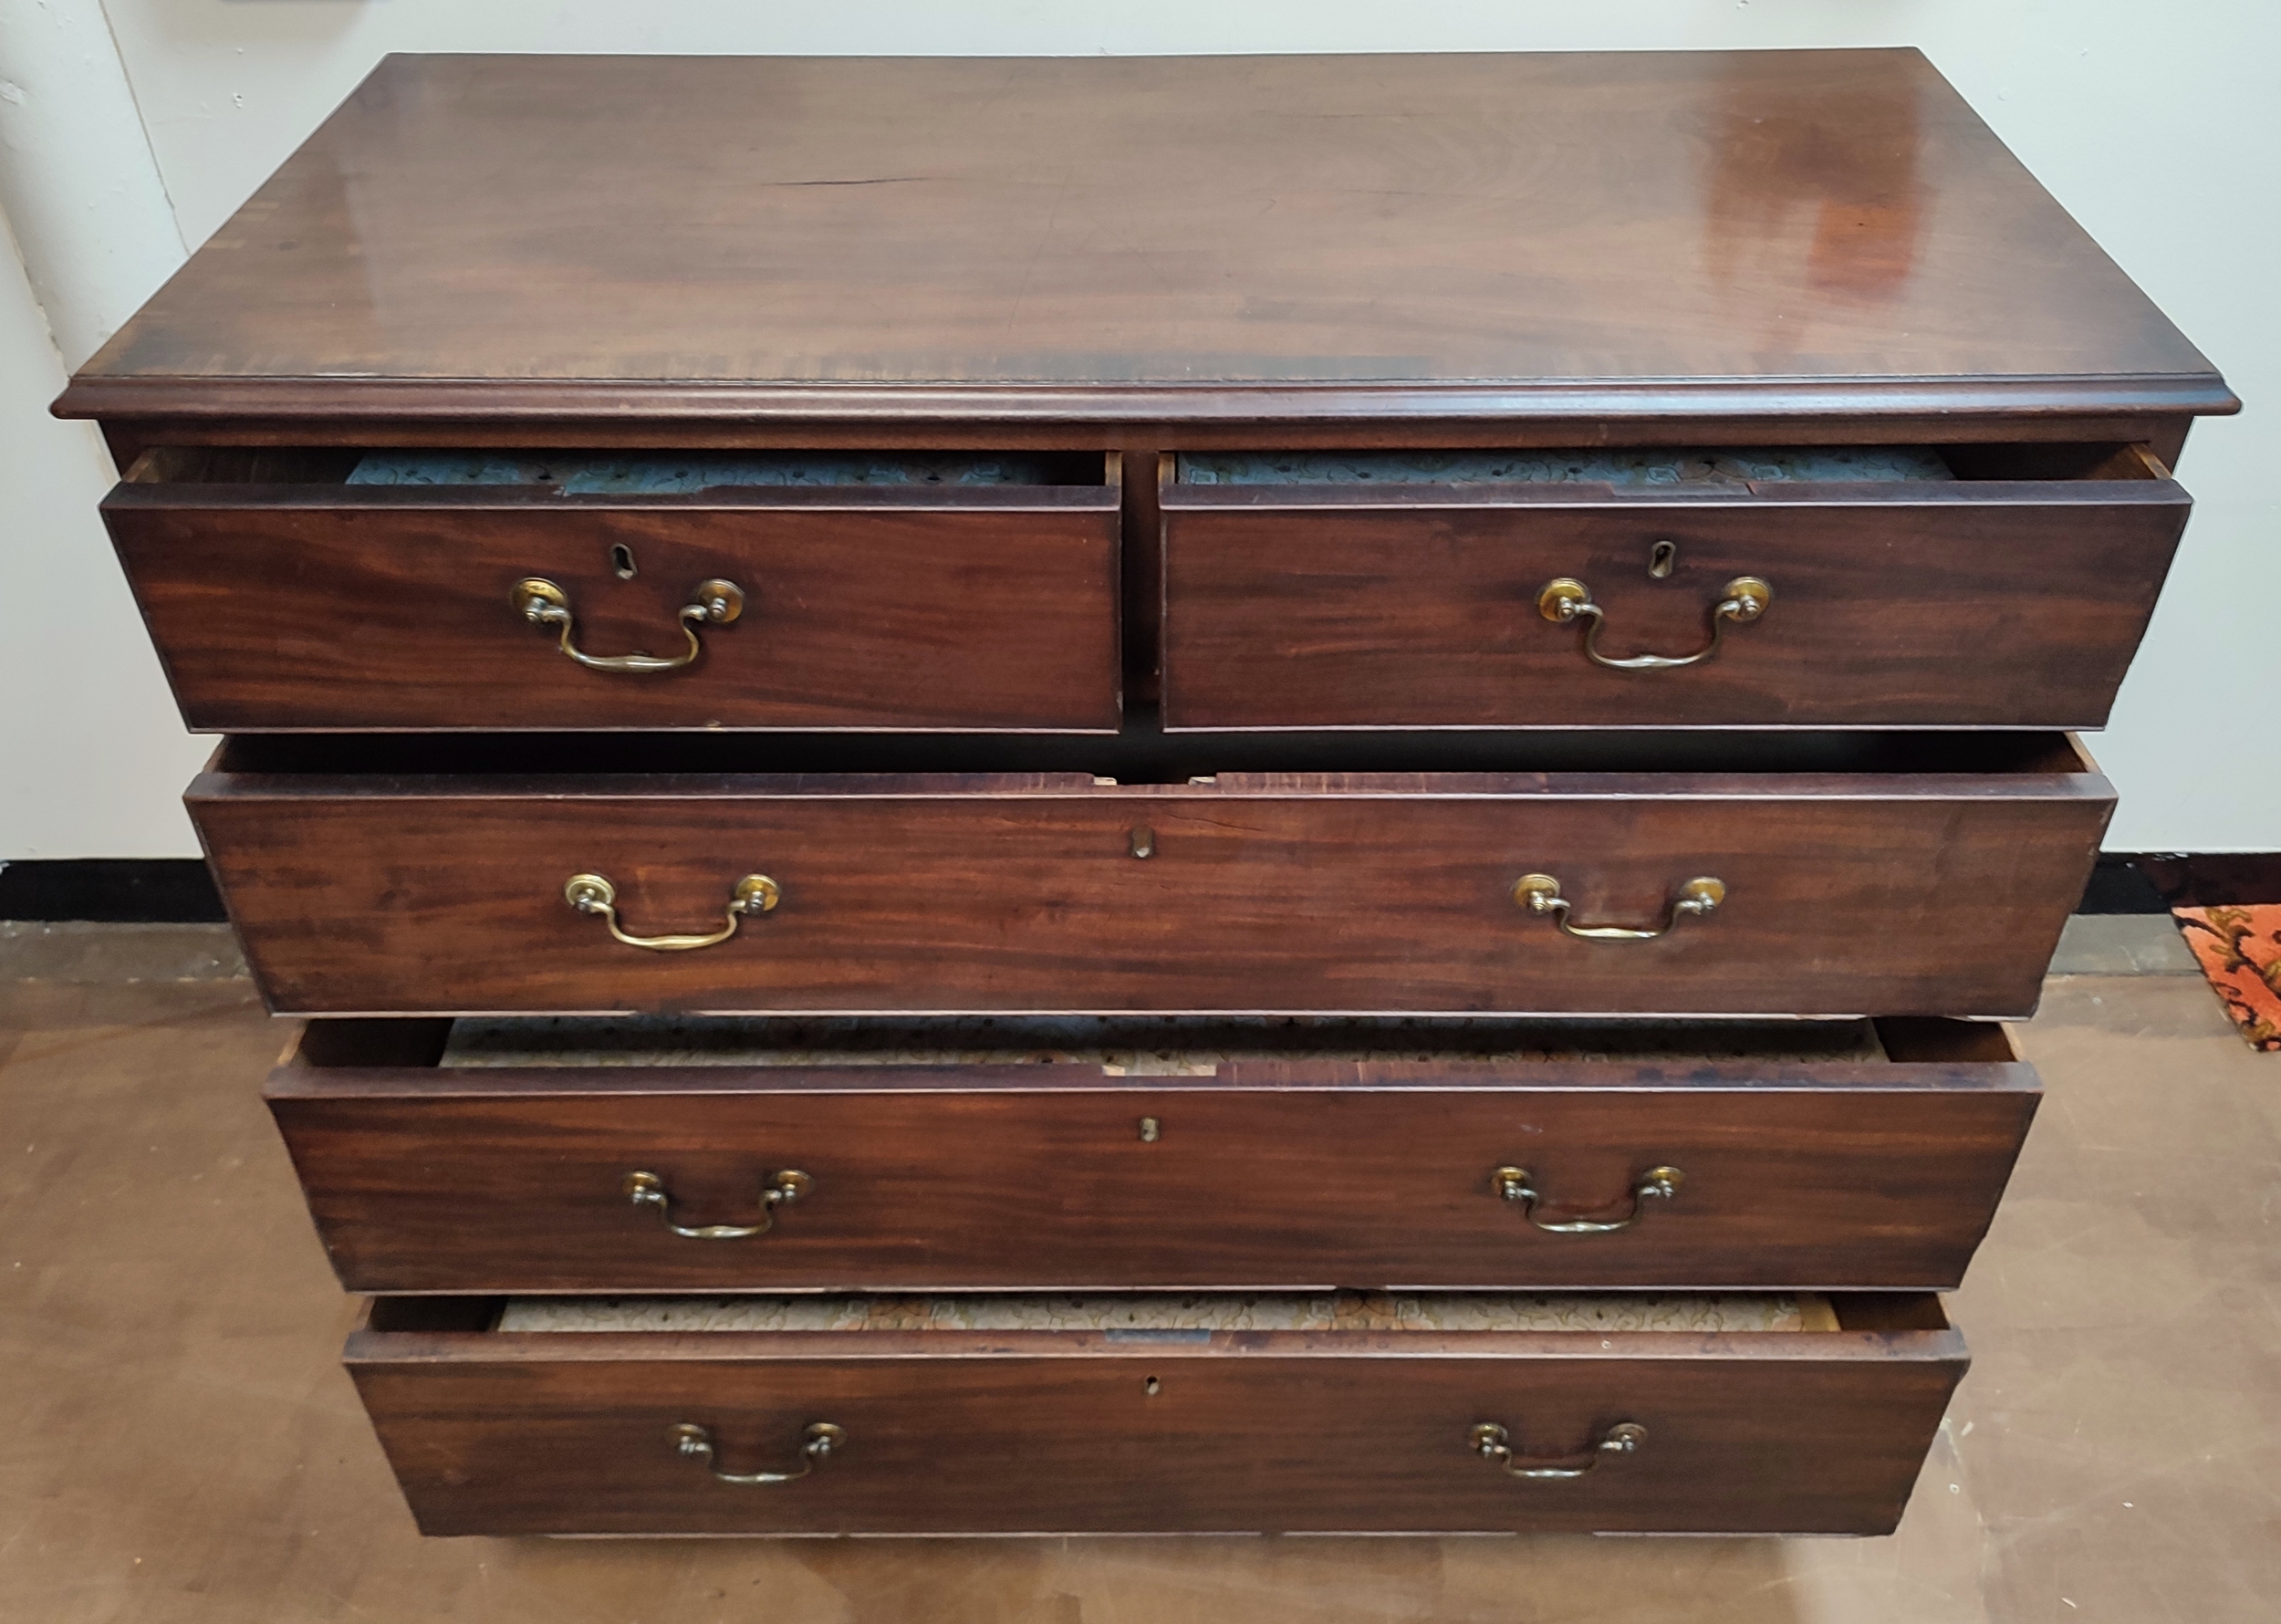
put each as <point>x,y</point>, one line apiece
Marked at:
<point>1201,1312</point>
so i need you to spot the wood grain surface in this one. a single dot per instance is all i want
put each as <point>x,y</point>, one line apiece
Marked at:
<point>1846,893</point>
<point>1118,240</point>
<point>2005,603</point>
<point>309,607</point>
<point>1801,1431</point>
<point>1297,1173</point>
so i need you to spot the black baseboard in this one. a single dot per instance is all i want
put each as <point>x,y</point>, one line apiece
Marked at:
<point>2211,879</point>
<point>2120,886</point>
<point>178,890</point>
<point>111,890</point>
<point>2158,881</point>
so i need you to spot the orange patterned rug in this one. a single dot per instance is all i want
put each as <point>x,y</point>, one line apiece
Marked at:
<point>2240,952</point>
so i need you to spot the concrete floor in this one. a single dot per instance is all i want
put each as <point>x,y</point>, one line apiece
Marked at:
<point>181,1446</point>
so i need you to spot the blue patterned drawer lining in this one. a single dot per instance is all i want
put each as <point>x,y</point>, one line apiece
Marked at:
<point>1659,466</point>
<point>653,476</point>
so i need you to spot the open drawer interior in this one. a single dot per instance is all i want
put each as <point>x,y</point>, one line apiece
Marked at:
<point>1667,469</point>
<point>1162,1048</point>
<point>1285,762</point>
<point>641,473</point>
<point>1204,1320</point>
<point>1156,1314</point>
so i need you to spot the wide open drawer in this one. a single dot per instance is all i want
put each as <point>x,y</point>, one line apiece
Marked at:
<point>471,590</point>
<point>1979,587</point>
<point>1364,1414</point>
<point>680,1156</point>
<point>1937,886</point>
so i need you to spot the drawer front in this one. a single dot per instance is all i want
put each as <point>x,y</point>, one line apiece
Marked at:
<point>949,1432</point>
<point>2017,604</point>
<point>1841,895</point>
<point>1362,1175</point>
<point>399,609</point>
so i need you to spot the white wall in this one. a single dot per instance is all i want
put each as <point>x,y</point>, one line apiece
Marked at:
<point>2159,126</point>
<point>92,756</point>
<point>87,735</point>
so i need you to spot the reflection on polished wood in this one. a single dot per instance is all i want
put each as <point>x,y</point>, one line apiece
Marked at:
<point>1832,166</point>
<point>1466,234</point>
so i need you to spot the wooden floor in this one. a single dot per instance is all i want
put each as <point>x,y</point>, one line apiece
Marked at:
<point>181,1445</point>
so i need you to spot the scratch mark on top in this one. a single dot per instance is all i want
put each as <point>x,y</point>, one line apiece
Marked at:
<point>875,181</point>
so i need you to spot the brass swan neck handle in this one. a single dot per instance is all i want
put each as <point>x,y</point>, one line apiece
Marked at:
<point>1566,600</point>
<point>713,603</point>
<point>1540,893</point>
<point>820,1442</point>
<point>594,894</point>
<point>1517,1184</point>
<point>1493,1442</point>
<point>647,1190</point>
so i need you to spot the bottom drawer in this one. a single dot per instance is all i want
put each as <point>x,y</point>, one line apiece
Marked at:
<point>1480,1412</point>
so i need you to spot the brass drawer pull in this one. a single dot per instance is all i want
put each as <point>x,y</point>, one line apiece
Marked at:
<point>1493,1442</point>
<point>1540,894</point>
<point>1566,600</point>
<point>593,893</point>
<point>821,1440</point>
<point>647,1190</point>
<point>1658,1184</point>
<point>714,603</point>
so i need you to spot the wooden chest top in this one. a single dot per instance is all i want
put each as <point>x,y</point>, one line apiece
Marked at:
<point>1149,239</point>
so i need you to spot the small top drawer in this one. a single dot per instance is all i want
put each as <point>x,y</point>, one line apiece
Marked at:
<point>338,590</point>
<point>1865,587</point>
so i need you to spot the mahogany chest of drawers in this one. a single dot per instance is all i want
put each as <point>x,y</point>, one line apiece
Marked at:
<point>1033,795</point>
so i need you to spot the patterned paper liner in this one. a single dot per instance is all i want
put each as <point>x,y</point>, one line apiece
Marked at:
<point>1199,1312</point>
<point>1177,1047</point>
<point>658,475</point>
<point>1728,467</point>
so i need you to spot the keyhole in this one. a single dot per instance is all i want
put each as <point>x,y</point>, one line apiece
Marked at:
<point>1152,1386</point>
<point>1143,841</point>
<point>1660,557</point>
<point>622,561</point>
<point>1151,1130</point>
